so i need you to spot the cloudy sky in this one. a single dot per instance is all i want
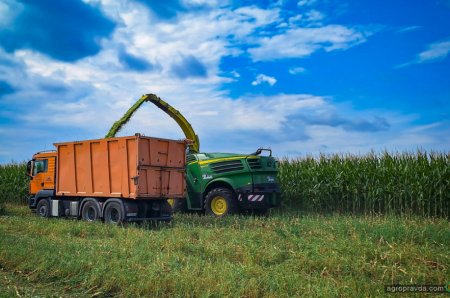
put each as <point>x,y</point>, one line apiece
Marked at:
<point>300,77</point>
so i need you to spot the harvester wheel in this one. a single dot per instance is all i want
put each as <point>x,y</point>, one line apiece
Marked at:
<point>221,201</point>
<point>43,208</point>
<point>114,213</point>
<point>90,212</point>
<point>180,205</point>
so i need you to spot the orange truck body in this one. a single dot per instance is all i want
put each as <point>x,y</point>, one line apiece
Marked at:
<point>115,179</point>
<point>134,167</point>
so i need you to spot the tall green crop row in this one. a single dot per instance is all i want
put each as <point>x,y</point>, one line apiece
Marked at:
<point>399,183</point>
<point>13,183</point>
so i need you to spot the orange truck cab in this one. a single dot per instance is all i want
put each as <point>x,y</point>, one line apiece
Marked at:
<point>115,179</point>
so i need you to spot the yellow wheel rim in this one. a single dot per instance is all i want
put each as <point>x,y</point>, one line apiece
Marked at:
<point>170,201</point>
<point>219,205</point>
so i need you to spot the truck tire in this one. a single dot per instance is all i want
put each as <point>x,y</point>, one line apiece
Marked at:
<point>221,201</point>
<point>90,212</point>
<point>114,213</point>
<point>43,208</point>
<point>180,205</point>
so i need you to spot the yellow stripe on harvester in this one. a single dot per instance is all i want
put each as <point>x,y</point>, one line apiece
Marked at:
<point>223,159</point>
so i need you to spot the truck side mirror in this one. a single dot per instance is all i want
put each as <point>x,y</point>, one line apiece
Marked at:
<point>29,168</point>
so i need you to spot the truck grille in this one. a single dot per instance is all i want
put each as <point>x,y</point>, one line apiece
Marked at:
<point>254,163</point>
<point>227,166</point>
<point>190,158</point>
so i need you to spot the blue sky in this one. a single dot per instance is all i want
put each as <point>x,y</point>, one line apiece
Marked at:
<point>304,76</point>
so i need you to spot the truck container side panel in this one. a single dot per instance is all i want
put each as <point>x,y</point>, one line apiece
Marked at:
<point>99,168</point>
<point>154,156</point>
<point>173,154</point>
<point>123,155</point>
<point>115,167</point>
<point>143,183</point>
<point>143,152</point>
<point>154,181</point>
<point>66,170</point>
<point>149,181</point>
<point>111,167</point>
<point>162,153</point>
<point>82,172</point>
<point>132,171</point>
<point>175,187</point>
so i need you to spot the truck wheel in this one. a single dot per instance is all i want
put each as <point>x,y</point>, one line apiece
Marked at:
<point>180,205</point>
<point>221,201</point>
<point>114,213</point>
<point>90,212</point>
<point>43,208</point>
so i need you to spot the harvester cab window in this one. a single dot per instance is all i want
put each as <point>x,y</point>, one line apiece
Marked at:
<point>40,166</point>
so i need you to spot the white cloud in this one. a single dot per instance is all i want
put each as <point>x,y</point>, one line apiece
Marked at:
<point>436,51</point>
<point>407,29</point>
<point>263,78</point>
<point>9,9</point>
<point>97,90</point>
<point>297,70</point>
<point>301,42</point>
<point>306,2</point>
<point>314,15</point>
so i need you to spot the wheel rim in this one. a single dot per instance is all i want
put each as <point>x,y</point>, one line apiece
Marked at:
<point>43,211</point>
<point>90,214</point>
<point>170,201</point>
<point>113,215</point>
<point>219,205</point>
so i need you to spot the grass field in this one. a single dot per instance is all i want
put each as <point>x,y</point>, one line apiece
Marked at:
<point>287,254</point>
<point>347,226</point>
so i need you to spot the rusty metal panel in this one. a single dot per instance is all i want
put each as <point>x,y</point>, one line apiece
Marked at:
<point>129,167</point>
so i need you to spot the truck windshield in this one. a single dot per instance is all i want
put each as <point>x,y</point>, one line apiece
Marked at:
<point>40,166</point>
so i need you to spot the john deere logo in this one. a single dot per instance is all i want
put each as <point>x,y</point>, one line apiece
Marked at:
<point>447,287</point>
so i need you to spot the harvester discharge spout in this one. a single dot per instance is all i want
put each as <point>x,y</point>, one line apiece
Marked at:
<point>175,114</point>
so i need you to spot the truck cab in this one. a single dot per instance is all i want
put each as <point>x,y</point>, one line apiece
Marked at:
<point>41,170</point>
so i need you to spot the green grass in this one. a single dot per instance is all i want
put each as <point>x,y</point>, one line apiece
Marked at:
<point>283,255</point>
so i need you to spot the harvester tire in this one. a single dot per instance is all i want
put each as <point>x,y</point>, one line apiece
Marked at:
<point>221,201</point>
<point>43,208</point>
<point>180,205</point>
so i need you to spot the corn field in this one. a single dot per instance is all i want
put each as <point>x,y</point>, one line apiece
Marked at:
<point>14,183</point>
<point>376,183</point>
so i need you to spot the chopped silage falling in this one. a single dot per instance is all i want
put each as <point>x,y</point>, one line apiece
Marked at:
<point>118,125</point>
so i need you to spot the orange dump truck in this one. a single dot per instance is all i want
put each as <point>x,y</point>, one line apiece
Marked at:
<point>117,179</point>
